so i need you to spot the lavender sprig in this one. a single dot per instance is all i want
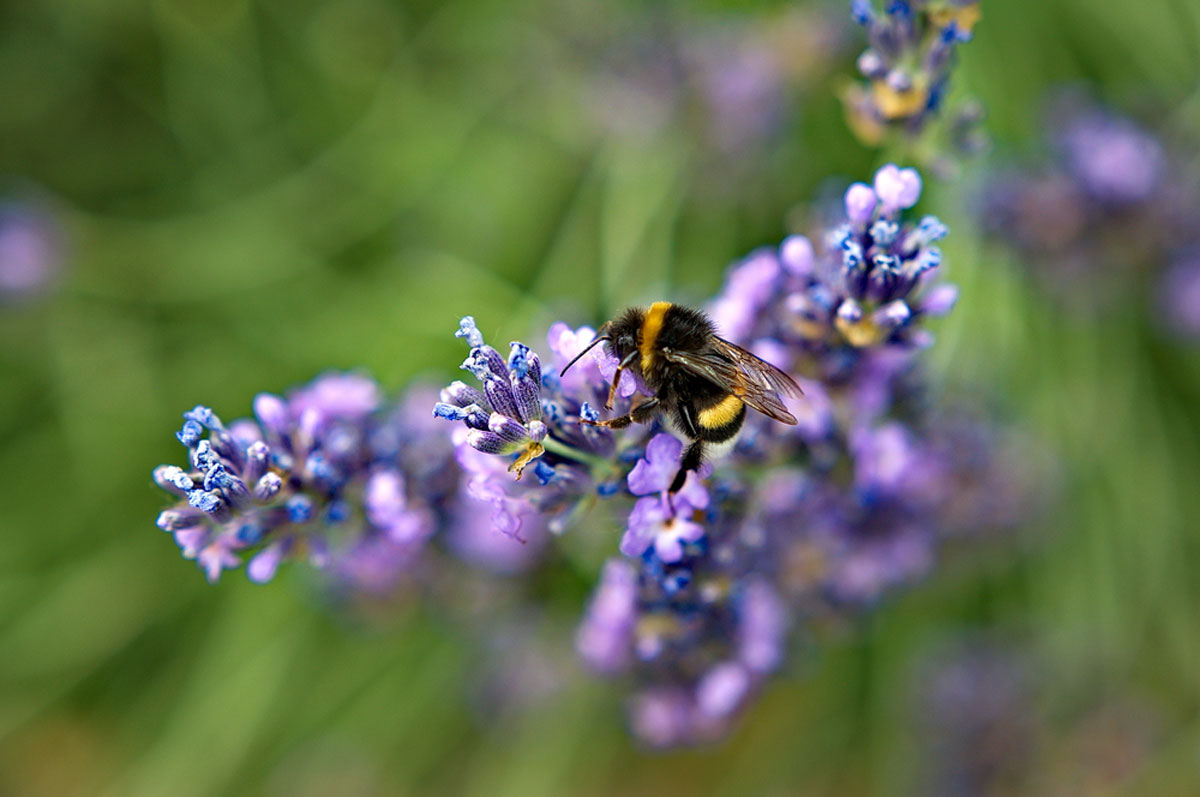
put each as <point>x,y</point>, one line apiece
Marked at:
<point>528,418</point>
<point>317,477</point>
<point>705,584</point>
<point>1113,205</point>
<point>907,67</point>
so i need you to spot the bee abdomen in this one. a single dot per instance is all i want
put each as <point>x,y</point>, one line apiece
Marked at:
<point>722,420</point>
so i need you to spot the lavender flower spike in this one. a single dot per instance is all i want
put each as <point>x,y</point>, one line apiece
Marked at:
<point>504,419</point>
<point>282,487</point>
<point>907,63</point>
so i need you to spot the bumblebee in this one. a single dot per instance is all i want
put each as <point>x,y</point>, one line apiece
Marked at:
<point>701,382</point>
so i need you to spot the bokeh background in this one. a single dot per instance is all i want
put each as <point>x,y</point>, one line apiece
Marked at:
<point>234,195</point>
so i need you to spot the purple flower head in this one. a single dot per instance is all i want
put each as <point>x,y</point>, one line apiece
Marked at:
<point>663,522</point>
<point>1111,158</point>
<point>31,250</point>
<point>818,519</point>
<point>285,487</point>
<point>605,637</point>
<point>1111,203</point>
<point>870,290</point>
<point>505,419</point>
<point>907,64</point>
<point>1179,298</point>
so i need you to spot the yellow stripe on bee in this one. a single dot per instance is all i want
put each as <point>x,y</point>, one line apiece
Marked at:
<point>720,414</point>
<point>650,329</point>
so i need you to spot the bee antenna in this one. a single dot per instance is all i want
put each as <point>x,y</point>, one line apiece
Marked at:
<point>588,348</point>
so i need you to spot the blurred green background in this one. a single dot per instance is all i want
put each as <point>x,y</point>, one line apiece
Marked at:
<point>252,191</point>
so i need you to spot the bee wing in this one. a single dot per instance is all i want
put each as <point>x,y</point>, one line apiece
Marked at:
<point>750,378</point>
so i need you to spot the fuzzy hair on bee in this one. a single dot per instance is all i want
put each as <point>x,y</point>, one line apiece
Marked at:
<point>701,382</point>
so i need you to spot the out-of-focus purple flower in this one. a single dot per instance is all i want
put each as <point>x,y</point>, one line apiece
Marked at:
<point>976,718</point>
<point>750,287</point>
<point>762,630</point>
<point>287,485</point>
<point>907,64</point>
<point>491,524</point>
<point>1113,207</point>
<point>724,84</point>
<point>1179,298</point>
<point>605,637</point>
<point>31,250</point>
<point>1111,158</point>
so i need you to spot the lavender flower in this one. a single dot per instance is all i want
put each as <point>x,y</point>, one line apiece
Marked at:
<point>506,418</point>
<point>977,718</point>
<point>525,415</point>
<point>724,84</point>
<point>907,64</point>
<point>659,520</point>
<point>1113,206</point>
<point>31,250</point>
<point>861,301</point>
<point>1180,298</point>
<point>314,477</point>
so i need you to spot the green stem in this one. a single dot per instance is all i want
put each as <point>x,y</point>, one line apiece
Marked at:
<point>556,446</point>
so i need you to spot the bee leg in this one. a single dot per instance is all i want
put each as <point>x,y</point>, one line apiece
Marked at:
<point>692,457</point>
<point>616,380</point>
<point>639,414</point>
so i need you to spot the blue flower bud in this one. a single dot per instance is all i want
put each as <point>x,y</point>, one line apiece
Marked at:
<point>204,416</point>
<point>468,331</point>
<point>299,509</point>
<point>190,433</point>
<point>205,501</point>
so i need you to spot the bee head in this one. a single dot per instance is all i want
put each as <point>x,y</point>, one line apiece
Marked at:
<point>624,332</point>
<point>620,336</point>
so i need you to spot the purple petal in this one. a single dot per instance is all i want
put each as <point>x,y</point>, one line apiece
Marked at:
<point>692,493</point>
<point>272,413</point>
<point>384,497</point>
<point>722,689</point>
<point>262,567</point>
<point>654,473</point>
<point>939,300</point>
<point>668,547</point>
<point>860,203</point>
<point>644,519</point>
<point>796,255</point>
<point>897,188</point>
